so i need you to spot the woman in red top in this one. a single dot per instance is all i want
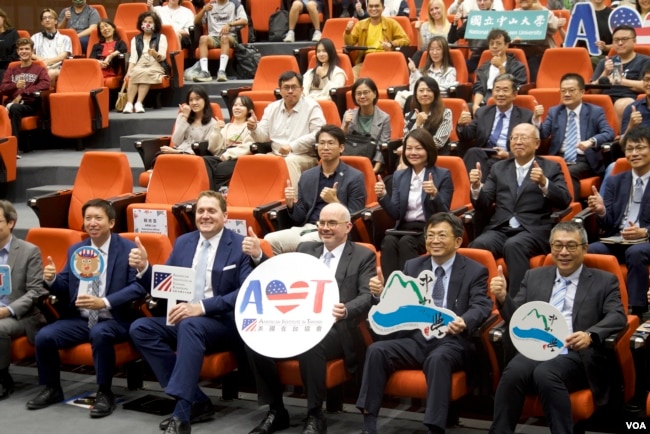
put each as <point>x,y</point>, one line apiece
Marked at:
<point>108,49</point>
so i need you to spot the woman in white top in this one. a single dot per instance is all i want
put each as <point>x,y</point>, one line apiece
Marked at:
<point>437,66</point>
<point>436,24</point>
<point>228,142</point>
<point>193,124</point>
<point>327,75</point>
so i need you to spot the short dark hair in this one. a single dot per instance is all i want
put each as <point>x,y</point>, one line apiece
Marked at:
<point>9,211</point>
<point>99,203</point>
<point>640,133</point>
<point>368,82</point>
<point>156,21</point>
<point>425,138</point>
<point>507,77</point>
<point>215,195</point>
<point>646,70</point>
<point>570,226</point>
<point>333,131</point>
<point>456,224</point>
<point>576,77</point>
<point>288,75</point>
<point>624,27</point>
<point>497,33</point>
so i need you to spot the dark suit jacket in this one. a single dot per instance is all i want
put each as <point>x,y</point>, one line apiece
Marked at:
<point>533,210</point>
<point>26,283</point>
<point>396,205</point>
<point>121,284</point>
<point>230,269</point>
<point>513,66</point>
<point>597,309</point>
<point>593,124</point>
<point>616,197</point>
<point>351,191</point>
<point>356,266</point>
<point>478,131</point>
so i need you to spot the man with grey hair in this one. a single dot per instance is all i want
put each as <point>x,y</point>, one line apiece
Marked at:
<point>18,315</point>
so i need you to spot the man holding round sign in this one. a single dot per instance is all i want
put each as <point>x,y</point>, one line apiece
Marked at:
<point>461,287</point>
<point>590,303</point>
<point>351,266</point>
<point>174,346</point>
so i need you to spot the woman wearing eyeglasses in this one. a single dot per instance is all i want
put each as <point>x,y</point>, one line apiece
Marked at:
<point>367,125</point>
<point>419,191</point>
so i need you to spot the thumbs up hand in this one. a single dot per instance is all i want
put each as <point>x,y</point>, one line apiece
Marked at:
<point>376,283</point>
<point>49,271</point>
<point>380,187</point>
<point>429,187</point>
<point>138,256</point>
<point>595,202</point>
<point>537,175</point>
<point>251,123</point>
<point>329,195</point>
<point>251,244</point>
<point>635,118</point>
<point>290,194</point>
<point>475,176</point>
<point>499,286</point>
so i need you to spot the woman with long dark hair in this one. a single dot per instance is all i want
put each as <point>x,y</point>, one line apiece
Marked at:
<point>108,49</point>
<point>326,75</point>
<point>428,111</point>
<point>193,124</point>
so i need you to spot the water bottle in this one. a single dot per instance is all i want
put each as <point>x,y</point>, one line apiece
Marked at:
<point>617,73</point>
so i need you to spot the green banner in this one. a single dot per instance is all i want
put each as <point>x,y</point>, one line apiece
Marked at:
<point>527,25</point>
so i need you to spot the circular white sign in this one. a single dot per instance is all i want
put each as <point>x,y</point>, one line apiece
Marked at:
<point>538,330</point>
<point>87,263</point>
<point>284,307</point>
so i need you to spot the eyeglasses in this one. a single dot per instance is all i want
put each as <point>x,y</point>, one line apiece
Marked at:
<point>292,88</point>
<point>630,149</point>
<point>329,224</point>
<point>571,246</point>
<point>441,237</point>
<point>520,138</point>
<point>363,93</point>
<point>373,6</point>
<point>623,40</point>
<point>328,144</point>
<point>568,90</point>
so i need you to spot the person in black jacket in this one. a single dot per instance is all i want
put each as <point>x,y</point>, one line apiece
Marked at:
<point>108,49</point>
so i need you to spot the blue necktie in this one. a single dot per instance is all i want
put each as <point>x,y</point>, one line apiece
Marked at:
<point>637,194</point>
<point>557,298</point>
<point>439,287</point>
<point>201,270</point>
<point>494,137</point>
<point>571,140</point>
<point>327,258</point>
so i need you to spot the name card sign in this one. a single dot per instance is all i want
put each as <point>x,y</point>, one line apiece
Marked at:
<point>526,25</point>
<point>5,280</point>
<point>538,330</point>
<point>237,226</point>
<point>150,221</point>
<point>284,307</point>
<point>406,304</point>
<point>172,283</point>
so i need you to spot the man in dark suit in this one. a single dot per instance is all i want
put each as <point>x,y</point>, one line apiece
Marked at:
<point>18,315</point>
<point>577,130</point>
<point>624,210</point>
<point>465,291</point>
<point>486,138</point>
<point>590,302</point>
<point>523,192</point>
<point>332,181</point>
<point>354,266</point>
<point>96,314</point>
<point>203,325</point>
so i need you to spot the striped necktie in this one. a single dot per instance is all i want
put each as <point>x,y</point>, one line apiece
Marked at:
<point>439,287</point>
<point>571,140</point>
<point>557,298</point>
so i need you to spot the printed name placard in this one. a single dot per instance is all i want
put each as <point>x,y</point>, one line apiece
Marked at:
<point>172,283</point>
<point>5,280</point>
<point>150,221</point>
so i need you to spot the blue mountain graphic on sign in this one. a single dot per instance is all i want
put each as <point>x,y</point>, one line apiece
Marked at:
<point>538,335</point>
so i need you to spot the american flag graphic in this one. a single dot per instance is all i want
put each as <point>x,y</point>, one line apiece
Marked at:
<point>162,281</point>
<point>249,325</point>
<point>629,16</point>
<point>284,301</point>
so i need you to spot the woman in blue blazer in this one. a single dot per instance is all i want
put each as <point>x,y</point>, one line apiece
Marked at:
<point>419,191</point>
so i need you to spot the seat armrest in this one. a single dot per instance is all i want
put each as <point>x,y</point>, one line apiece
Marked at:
<point>279,217</point>
<point>261,148</point>
<point>49,306</point>
<point>408,51</point>
<point>148,149</point>
<point>120,203</point>
<point>201,148</point>
<point>497,332</point>
<point>185,213</point>
<point>558,215</point>
<point>462,91</point>
<point>177,60</point>
<point>338,96</point>
<point>523,90</point>
<point>392,91</point>
<point>261,212</point>
<point>52,209</point>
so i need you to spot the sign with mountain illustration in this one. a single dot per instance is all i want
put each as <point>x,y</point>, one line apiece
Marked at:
<point>538,330</point>
<point>407,304</point>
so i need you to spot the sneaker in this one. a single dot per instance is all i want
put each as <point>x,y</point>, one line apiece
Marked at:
<point>128,108</point>
<point>290,37</point>
<point>317,36</point>
<point>221,75</point>
<point>138,107</point>
<point>203,76</point>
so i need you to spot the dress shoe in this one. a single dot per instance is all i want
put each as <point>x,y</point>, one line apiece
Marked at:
<point>200,411</point>
<point>6,386</point>
<point>47,397</point>
<point>176,426</point>
<point>104,405</point>
<point>315,425</point>
<point>274,421</point>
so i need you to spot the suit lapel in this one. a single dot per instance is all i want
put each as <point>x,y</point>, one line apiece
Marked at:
<point>511,178</point>
<point>585,282</point>
<point>221,258</point>
<point>546,285</point>
<point>111,259</point>
<point>404,191</point>
<point>14,251</point>
<point>455,281</point>
<point>346,259</point>
<point>584,121</point>
<point>624,196</point>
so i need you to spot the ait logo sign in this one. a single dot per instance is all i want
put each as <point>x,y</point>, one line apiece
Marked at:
<point>284,307</point>
<point>538,330</point>
<point>406,304</point>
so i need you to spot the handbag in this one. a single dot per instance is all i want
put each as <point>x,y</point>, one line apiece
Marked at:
<point>359,145</point>
<point>121,98</point>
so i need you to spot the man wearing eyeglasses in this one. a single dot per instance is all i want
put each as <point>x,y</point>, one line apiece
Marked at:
<point>332,181</point>
<point>522,191</point>
<point>638,113</point>
<point>353,266</point>
<point>50,46</point>
<point>590,302</point>
<point>290,124</point>
<point>625,78</point>
<point>624,210</point>
<point>577,129</point>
